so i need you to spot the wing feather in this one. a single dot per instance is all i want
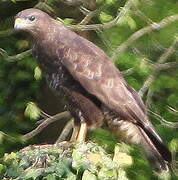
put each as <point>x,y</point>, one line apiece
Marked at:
<point>89,65</point>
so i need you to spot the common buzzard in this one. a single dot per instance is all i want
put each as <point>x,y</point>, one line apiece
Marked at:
<point>94,88</point>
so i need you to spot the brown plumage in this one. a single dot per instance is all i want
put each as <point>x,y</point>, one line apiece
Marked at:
<point>94,88</point>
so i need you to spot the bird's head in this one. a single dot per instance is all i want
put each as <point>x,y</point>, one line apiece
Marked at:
<point>31,20</point>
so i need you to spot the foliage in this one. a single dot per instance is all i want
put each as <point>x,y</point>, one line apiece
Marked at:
<point>21,82</point>
<point>70,161</point>
<point>86,161</point>
<point>32,111</point>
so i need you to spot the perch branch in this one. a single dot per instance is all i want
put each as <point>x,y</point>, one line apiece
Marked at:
<point>156,71</point>
<point>65,132</point>
<point>154,26</point>
<point>46,122</point>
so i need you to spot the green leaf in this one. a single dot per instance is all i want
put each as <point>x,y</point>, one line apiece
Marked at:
<point>105,173</point>
<point>136,2</point>
<point>165,175</point>
<point>109,2</point>
<point>2,169</point>
<point>9,157</point>
<point>14,1</point>
<point>22,75</point>
<point>104,17</point>
<point>37,73</point>
<point>144,68</point>
<point>50,177</point>
<point>174,145</point>
<point>87,175</point>
<point>172,100</point>
<point>71,176</point>
<point>22,44</point>
<point>31,174</point>
<point>32,111</point>
<point>131,23</point>
<point>104,138</point>
<point>79,160</point>
<point>68,21</point>
<point>1,137</point>
<point>122,175</point>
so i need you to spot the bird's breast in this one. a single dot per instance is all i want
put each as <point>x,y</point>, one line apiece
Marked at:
<point>53,70</point>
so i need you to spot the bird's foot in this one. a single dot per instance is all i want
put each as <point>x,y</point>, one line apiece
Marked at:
<point>75,133</point>
<point>79,133</point>
<point>82,133</point>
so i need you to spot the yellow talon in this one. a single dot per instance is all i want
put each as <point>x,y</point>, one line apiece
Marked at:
<point>75,133</point>
<point>82,132</point>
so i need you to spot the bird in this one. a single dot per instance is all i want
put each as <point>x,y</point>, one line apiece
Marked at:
<point>94,89</point>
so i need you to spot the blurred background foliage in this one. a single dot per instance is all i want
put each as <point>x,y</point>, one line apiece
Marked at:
<point>153,55</point>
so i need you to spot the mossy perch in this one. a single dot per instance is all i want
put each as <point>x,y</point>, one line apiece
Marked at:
<point>81,161</point>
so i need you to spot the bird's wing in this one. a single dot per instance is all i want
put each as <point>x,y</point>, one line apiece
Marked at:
<point>89,65</point>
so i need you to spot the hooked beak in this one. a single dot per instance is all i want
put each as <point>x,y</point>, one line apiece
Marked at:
<point>20,23</point>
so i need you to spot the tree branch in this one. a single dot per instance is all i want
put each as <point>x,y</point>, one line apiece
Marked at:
<point>141,15</point>
<point>45,123</point>
<point>6,33</point>
<point>165,66</point>
<point>154,26</point>
<point>90,15</point>
<point>172,110</point>
<point>66,130</point>
<point>163,121</point>
<point>16,57</point>
<point>156,71</point>
<point>149,98</point>
<point>128,71</point>
<point>107,25</point>
<point>157,67</point>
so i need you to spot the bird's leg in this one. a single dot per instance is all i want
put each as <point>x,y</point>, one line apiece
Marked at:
<point>75,133</point>
<point>82,133</point>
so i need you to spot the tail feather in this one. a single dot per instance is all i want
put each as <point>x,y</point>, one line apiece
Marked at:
<point>149,141</point>
<point>157,158</point>
<point>158,143</point>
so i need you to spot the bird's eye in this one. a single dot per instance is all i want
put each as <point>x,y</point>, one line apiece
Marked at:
<point>31,18</point>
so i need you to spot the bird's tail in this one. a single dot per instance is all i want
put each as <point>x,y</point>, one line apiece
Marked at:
<point>149,141</point>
